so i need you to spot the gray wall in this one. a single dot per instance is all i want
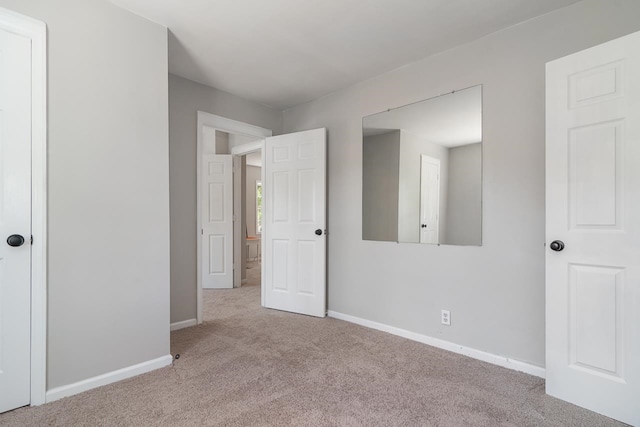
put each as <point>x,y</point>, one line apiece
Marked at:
<point>406,285</point>
<point>222,142</point>
<point>381,160</point>
<point>464,204</point>
<point>411,148</point>
<point>108,210</point>
<point>185,99</point>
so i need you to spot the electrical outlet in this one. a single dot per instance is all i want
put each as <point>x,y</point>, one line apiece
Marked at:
<point>445,317</point>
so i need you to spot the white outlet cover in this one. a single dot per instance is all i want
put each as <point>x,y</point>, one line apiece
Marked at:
<point>445,317</point>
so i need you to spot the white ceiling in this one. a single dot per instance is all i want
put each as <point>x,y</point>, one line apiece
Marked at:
<point>449,120</point>
<point>285,52</point>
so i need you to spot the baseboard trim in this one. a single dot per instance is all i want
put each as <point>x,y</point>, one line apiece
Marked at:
<point>108,378</point>
<point>494,359</point>
<point>183,324</point>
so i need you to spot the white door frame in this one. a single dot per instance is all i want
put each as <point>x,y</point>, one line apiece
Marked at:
<point>36,31</point>
<point>224,125</point>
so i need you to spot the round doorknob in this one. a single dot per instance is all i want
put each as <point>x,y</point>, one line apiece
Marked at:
<point>557,245</point>
<point>318,232</point>
<point>15,240</point>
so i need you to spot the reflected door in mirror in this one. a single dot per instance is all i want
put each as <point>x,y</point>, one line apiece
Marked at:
<point>422,171</point>
<point>429,199</point>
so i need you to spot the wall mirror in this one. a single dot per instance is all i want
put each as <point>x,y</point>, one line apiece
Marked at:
<point>422,171</point>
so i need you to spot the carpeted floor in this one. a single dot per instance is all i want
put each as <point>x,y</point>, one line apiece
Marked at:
<point>249,366</point>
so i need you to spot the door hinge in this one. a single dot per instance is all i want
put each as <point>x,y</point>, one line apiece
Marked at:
<point>202,231</point>
<point>32,239</point>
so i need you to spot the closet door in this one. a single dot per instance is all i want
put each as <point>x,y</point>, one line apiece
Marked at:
<point>593,229</point>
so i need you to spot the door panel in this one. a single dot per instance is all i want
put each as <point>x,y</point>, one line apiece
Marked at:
<point>295,256</point>
<point>593,183</point>
<point>596,295</point>
<point>15,218</point>
<point>595,164</point>
<point>217,226</point>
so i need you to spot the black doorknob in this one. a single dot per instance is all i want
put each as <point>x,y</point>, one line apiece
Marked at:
<point>15,240</point>
<point>318,232</point>
<point>557,245</point>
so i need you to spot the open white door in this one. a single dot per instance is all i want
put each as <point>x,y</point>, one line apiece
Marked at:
<point>15,220</point>
<point>294,256</point>
<point>429,199</point>
<point>593,229</point>
<point>217,221</point>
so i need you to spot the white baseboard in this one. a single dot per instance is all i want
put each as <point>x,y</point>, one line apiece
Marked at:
<point>108,378</point>
<point>183,324</point>
<point>494,359</point>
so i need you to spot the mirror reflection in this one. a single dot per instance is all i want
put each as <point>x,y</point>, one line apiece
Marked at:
<point>422,171</point>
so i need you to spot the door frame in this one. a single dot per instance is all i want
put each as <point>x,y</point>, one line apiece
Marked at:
<point>224,125</point>
<point>36,31</point>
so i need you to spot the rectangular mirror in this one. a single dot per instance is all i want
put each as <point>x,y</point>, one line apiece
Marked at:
<point>422,171</point>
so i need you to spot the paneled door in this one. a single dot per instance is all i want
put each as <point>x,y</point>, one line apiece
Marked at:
<point>15,220</point>
<point>217,221</point>
<point>429,199</point>
<point>294,234</point>
<point>593,229</point>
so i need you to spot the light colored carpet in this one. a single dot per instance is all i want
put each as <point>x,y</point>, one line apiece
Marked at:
<point>249,366</point>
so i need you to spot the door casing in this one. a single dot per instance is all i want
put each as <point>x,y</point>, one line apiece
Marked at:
<point>36,31</point>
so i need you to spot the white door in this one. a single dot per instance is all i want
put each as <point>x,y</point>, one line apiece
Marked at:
<point>15,220</point>
<point>429,199</point>
<point>294,254</point>
<point>217,221</point>
<point>593,229</point>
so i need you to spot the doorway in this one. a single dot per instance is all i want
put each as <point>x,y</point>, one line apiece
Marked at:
<point>224,141</point>
<point>248,208</point>
<point>294,229</point>
<point>251,218</point>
